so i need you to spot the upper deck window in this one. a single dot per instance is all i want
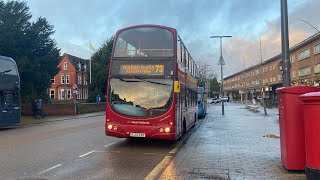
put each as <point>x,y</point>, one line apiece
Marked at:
<point>8,67</point>
<point>144,42</point>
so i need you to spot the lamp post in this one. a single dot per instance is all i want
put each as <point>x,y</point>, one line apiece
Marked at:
<point>221,63</point>
<point>286,66</point>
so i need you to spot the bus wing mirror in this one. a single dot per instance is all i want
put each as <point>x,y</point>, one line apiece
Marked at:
<point>176,86</point>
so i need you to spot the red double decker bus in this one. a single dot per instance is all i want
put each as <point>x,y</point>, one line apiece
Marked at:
<point>152,85</point>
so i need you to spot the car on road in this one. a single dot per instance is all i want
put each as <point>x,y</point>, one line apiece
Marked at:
<point>216,100</point>
<point>224,99</point>
<point>210,100</point>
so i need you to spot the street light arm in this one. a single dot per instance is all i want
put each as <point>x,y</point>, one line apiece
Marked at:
<point>219,36</point>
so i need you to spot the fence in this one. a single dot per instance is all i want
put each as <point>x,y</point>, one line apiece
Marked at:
<point>67,108</point>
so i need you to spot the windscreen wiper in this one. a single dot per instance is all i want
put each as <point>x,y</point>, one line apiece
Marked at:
<point>127,80</point>
<point>4,72</point>
<point>152,81</point>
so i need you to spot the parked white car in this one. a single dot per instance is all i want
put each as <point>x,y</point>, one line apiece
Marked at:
<point>225,99</point>
<point>210,100</point>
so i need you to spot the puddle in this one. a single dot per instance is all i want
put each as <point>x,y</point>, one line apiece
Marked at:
<point>271,136</point>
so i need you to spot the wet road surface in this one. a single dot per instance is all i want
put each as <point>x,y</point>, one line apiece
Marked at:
<point>78,149</point>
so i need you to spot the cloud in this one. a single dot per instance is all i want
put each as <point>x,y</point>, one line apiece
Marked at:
<point>242,48</point>
<point>77,22</point>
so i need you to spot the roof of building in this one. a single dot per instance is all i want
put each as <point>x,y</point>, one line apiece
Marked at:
<point>293,48</point>
<point>75,60</point>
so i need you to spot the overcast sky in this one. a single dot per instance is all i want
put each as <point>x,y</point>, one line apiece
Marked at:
<point>77,22</point>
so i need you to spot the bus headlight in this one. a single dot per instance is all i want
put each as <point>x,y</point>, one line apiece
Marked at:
<point>115,127</point>
<point>161,130</point>
<point>167,130</point>
<point>170,123</point>
<point>110,126</point>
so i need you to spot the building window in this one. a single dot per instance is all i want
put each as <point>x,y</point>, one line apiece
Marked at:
<point>52,80</point>
<point>65,66</point>
<point>280,77</point>
<point>270,79</point>
<point>62,94</point>
<point>317,49</point>
<point>67,79</point>
<point>274,79</point>
<point>63,79</point>
<point>51,93</point>
<point>304,71</point>
<point>79,80</point>
<point>293,59</point>
<point>69,95</point>
<point>317,68</point>
<point>304,54</point>
<point>85,81</point>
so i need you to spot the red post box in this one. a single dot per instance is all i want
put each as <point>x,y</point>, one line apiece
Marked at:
<point>311,108</point>
<point>292,142</point>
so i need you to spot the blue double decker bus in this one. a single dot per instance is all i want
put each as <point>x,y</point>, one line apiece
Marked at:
<point>10,106</point>
<point>202,105</point>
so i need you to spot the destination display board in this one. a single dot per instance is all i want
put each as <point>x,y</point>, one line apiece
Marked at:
<point>141,69</point>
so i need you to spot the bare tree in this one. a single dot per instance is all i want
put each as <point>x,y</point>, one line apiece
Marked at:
<point>204,72</point>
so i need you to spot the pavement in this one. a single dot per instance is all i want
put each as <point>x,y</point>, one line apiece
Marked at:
<point>29,120</point>
<point>242,144</point>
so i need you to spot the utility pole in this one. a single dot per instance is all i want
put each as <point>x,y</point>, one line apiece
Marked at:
<point>221,63</point>
<point>261,80</point>
<point>285,44</point>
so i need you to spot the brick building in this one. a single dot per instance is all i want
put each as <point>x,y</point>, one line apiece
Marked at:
<point>72,78</point>
<point>267,76</point>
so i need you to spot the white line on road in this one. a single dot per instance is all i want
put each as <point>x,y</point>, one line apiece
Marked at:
<point>154,173</point>
<point>109,144</point>
<point>86,154</point>
<point>150,153</point>
<point>49,169</point>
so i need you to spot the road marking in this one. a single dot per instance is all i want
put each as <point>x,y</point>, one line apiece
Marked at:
<point>86,154</point>
<point>109,145</point>
<point>155,172</point>
<point>175,149</point>
<point>149,153</point>
<point>50,169</point>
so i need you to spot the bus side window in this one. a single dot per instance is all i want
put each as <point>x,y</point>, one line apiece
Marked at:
<point>179,50</point>
<point>183,95</point>
<point>184,56</point>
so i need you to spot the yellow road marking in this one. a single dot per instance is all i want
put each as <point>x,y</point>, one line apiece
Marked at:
<point>154,173</point>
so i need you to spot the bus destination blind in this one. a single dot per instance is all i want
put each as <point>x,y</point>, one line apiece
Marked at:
<point>142,69</point>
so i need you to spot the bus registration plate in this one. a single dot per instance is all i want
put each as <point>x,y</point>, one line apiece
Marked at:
<point>137,134</point>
